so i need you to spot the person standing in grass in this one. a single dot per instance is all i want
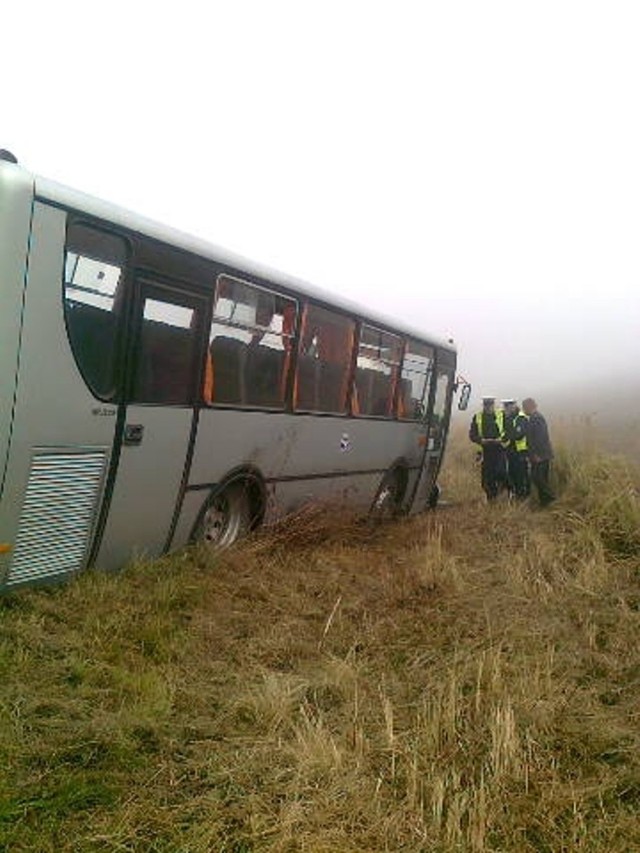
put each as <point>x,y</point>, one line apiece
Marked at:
<point>487,430</point>
<point>515,428</point>
<point>540,451</point>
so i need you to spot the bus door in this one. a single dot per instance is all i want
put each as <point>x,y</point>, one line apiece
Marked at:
<point>164,374</point>
<point>436,428</point>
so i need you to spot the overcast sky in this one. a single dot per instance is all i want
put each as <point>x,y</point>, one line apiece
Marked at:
<point>472,168</point>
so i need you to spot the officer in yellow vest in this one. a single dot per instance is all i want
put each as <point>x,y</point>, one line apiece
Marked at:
<point>487,431</point>
<point>515,428</point>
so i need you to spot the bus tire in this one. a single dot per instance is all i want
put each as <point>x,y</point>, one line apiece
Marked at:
<point>388,500</point>
<point>228,515</point>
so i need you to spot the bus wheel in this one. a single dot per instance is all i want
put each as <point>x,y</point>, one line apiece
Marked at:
<point>227,517</point>
<point>388,499</point>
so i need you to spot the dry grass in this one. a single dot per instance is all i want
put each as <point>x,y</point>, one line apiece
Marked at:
<point>468,680</point>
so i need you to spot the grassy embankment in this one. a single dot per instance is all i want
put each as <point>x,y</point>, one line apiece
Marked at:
<point>467,680</point>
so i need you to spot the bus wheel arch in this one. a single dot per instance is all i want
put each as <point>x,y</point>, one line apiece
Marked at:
<point>233,508</point>
<point>391,492</point>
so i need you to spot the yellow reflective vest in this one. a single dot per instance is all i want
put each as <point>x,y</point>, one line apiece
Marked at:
<point>520,444</point>
<point>499,416</point>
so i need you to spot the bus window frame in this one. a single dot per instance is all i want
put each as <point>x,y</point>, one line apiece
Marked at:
<point>306,303</point>
<point>119,390</point>
<point>426,393</point>
<point>150,281</point>
<point>287,405</point>
<point>362,324</point>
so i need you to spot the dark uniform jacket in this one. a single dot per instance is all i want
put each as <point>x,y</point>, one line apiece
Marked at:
<point>538,438</point>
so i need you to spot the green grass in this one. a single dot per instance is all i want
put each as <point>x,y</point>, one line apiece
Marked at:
<point>467,680</point>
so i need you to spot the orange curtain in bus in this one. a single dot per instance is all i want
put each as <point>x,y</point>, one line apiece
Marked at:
<point>335,346</point>
<point>288,330</point>
<point>301,342</point>
<point>354,402</point>
<point>397,401</point>
<point>207,388</point>
<point>335,342</point>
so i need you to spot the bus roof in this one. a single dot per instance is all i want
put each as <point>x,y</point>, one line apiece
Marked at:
<point>69,198</point>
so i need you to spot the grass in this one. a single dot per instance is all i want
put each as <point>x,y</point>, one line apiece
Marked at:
<point>467,680</point>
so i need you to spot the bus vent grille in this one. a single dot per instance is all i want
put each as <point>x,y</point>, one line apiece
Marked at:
<point>58,514</point>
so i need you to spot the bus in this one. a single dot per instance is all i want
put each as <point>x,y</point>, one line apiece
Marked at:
<point>156,391</point>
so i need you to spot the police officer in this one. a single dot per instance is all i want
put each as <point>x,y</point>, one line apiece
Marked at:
<point>487,430</point>
<point>515,428</point>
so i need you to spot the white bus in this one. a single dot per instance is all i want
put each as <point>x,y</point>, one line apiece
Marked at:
<point>155,390</point>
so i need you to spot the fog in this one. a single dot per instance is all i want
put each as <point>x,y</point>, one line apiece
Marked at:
<point>470,168</point>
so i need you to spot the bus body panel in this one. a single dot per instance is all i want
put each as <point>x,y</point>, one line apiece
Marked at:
<point>285,445</point>
<point>301,457</point>
<point>355,491</point>
<point>147,486</point>
<point>62,436</point>
<point>16,200</point>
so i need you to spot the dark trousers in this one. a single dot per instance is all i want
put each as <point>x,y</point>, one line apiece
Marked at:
<point>494,470</point>
<point>540,479</point>
<point>518,474</point>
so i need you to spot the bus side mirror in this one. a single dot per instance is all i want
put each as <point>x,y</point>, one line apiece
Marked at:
<point>463,402</point>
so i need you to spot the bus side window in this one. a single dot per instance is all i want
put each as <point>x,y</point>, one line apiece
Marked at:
<point>93,298</point>
<point>415,381</point>
<point>376,379</point>
<point>324,360</point>
<point>250,345</point>
<point>166,352</point>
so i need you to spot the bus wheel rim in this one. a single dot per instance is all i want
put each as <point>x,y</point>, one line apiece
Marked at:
<point>223,520</point>
<point>385,504</point>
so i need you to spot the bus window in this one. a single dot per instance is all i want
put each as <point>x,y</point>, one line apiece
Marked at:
<point>166,350</point>
<point>379,356</point>
<point>324,360</point>
<point>415,381</point>
<point>93,285</point>
<point>250,345</point>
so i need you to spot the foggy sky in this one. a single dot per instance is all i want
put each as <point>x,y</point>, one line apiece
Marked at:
<point>470,168</point>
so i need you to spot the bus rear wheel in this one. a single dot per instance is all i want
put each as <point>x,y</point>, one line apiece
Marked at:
<point>227,517</point>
